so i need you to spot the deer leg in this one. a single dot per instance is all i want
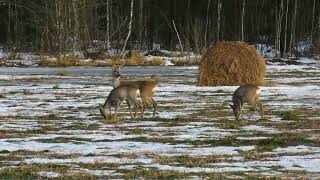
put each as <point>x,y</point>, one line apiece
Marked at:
<point>138,104</point>
<point>256,102</point>
<point>144,102</point>
<point>261,108</point>
<point>110,113</point>
<point>241,107</point>
<point>154,103</point>
<point>116,110</point>
<point>135,103</point>
<point>129,106</point>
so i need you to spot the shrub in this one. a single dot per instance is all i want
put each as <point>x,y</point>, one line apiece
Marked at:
<point>56,86</point>
<point>135,59</point>
<point>61,73</point>
<point>157,62</point>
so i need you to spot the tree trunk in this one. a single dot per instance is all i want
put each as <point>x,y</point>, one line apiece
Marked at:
<point>218,21</point>
<point>129,31</point>
<point>174,25</point>
<point>278,28</point>
<point>107,37</point>
<point>76,27</point>
<point>293,27</point>
<point>187,42</point>
<point>242,19</point>
<point>207,24</point>
<point>312,23</point>
<point>141,27</point>
<point>286,29</point>
<point>9,22</point>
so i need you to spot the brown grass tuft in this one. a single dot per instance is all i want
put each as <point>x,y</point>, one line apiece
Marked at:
<point>157,62</point>
<point>231,63</point>
<point>135,60</point>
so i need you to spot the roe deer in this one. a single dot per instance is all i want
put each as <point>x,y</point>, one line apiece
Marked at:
<point>246,93</point>
<point>115,98</point>
<point>147,89</point>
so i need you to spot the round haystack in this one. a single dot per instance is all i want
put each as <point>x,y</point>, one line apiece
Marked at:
<point>231,63</point>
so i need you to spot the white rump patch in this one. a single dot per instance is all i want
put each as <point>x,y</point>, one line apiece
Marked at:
<point>138,92</point>
<point>154,89</point>
<point>258,91</point>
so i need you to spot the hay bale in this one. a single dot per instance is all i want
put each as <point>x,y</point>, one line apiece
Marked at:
<point>231,63</point>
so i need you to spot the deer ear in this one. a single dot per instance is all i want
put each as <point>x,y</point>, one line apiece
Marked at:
<point>231,106</point>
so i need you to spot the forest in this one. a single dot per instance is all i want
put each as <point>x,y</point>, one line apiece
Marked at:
<point>60,26</point>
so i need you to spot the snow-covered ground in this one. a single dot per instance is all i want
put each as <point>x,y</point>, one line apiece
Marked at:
<point>48,114</point>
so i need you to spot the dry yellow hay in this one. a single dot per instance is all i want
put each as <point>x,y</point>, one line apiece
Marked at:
<point>231,63</point>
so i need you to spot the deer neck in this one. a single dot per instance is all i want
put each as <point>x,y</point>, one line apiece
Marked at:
<point>116,82</point>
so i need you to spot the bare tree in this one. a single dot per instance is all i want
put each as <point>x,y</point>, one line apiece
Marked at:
<point>278,28</point>
<point>286,29</point>
<point>188,28</point>
<point>242,19</point>
<point>129,30</point>
<point>76,27</point>
<point>218,22</point>
<point>207,24</point>
<point>107,36</point>
<point>141,27</point>
<point>312,26</point>
<point>9,22</point>
<point>175,28</point>
<point>293,27</point>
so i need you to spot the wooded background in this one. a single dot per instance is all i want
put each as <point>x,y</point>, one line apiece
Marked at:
<point>59,26</point>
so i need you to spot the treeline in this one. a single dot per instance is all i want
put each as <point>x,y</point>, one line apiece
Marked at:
<point>64,26</point>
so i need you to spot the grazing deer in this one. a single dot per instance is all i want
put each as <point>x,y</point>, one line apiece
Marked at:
<point>117,96</point>
<point>147,88</point>
<point>245,93</point>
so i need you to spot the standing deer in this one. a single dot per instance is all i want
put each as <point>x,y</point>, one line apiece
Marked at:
<point>245,93</point>
<point>117,96</point>
<point>147,89</point>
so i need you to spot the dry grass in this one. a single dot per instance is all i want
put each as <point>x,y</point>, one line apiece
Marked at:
<point>72,61</point>
<point>135,60</point>
<point>255,155</point>
<point>188,161</point>
<point>61,73</point>
<point>157,62</point>
<point>231,63</point>
<point>66,61</point>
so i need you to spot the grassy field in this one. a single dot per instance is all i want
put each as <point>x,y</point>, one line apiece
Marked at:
<point>50,127</point>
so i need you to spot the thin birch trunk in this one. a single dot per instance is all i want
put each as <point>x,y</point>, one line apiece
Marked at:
<point>76,27</point>
<point>293,27</point>
<point>129,31</point>
<point>286,29</point>
<point>140,24</point>
<point>175,28</point>
<point>9,21</point>
<point>107,36</point>
<point>207,24</point>
<point>218,22</point>
<point>242,19</point>
<point>278,28</point>
<point>312,26</point>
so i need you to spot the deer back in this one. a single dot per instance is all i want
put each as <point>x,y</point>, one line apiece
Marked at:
<point>246,93</point>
